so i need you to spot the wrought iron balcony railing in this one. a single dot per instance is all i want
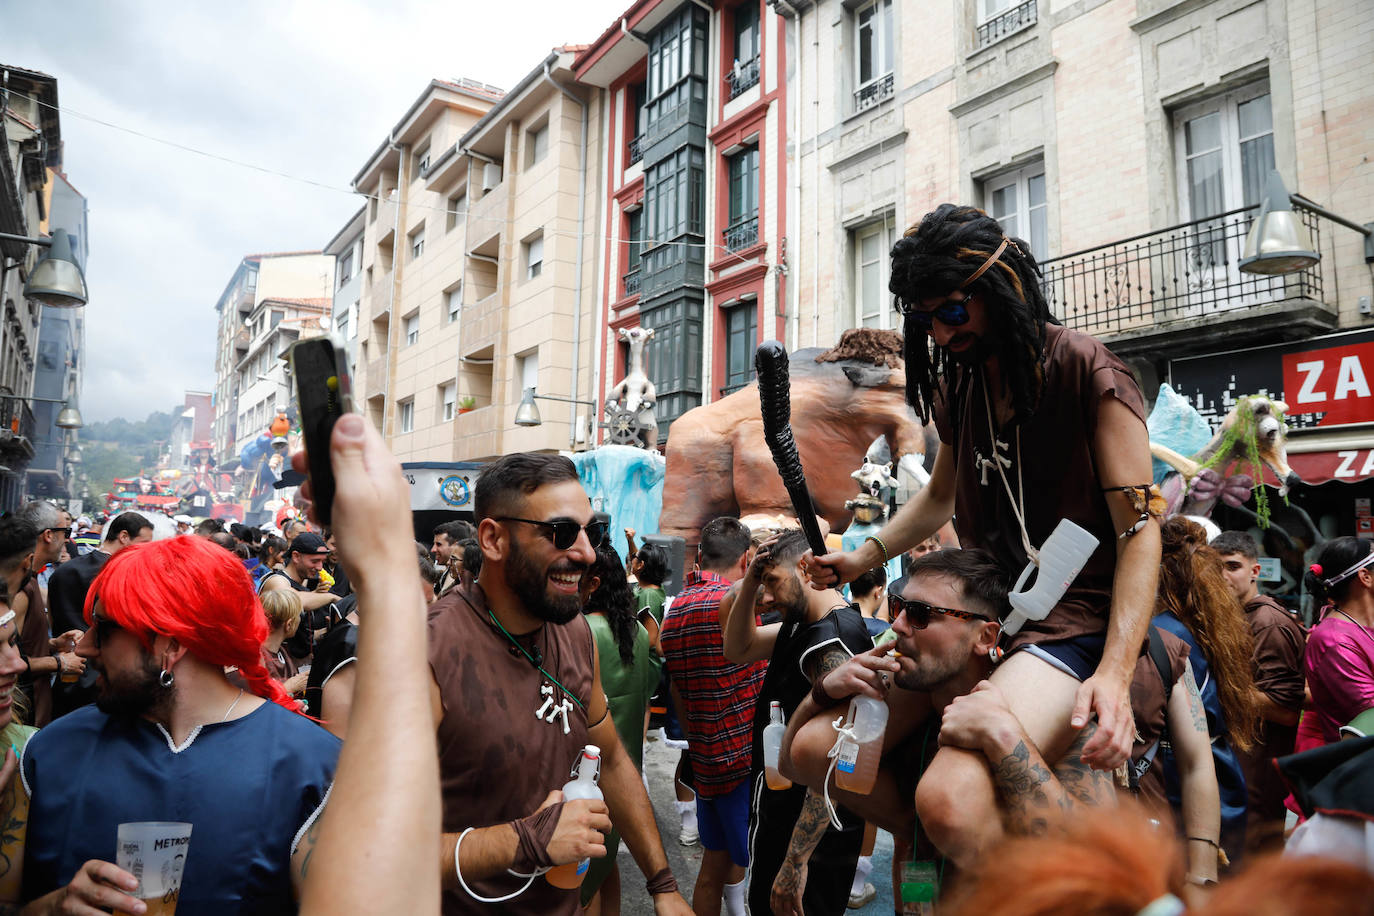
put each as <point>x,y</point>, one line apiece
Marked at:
<point>872,93</point>
<point>744,75</point>
<point>636,149</point>
<point>741,234</point>
<point>631,280</point>
<point>1184,272</point>
<point>1013,20</point>
<point>16,421</point>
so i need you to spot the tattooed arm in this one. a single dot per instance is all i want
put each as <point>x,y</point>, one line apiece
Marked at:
<point>1033,795</point>
<point>790,884</point>
<point>1187,724</point>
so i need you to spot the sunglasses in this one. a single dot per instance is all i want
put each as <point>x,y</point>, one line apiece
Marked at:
<point>102,627</point>
<point>65,531</point>
<point>563,531</point>
<point>918,612</point>
<point>951,313</point>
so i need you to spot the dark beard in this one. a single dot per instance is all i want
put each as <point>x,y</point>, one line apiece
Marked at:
<point>928,677</point>
<point>138,694</point>
<point>531,586</point>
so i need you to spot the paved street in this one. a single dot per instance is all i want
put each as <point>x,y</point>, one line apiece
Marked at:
<point>660,762</point>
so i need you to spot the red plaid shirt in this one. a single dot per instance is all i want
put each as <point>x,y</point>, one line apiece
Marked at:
<point>719,695</point>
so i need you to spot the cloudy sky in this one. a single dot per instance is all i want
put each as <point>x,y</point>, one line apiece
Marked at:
<point>307,88</point>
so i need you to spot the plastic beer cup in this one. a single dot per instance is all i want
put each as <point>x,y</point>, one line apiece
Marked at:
<point>154,852</point>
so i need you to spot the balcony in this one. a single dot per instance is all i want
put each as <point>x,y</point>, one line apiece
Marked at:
<point>376,377</point>
<point>741,234</point>
<point>1013,20</point>
<point>481,324</point>
<point>671,128</point>
<point>631,281</point>
<point>635,150</point>
<point>743,76</point>
<point>381,295</point>
<point>242,339</point>
<point>874,92</point>
<point>1181,287</point>
<point>16,428</point>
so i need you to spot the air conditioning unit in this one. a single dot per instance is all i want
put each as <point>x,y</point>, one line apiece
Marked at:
<point>491,176</point>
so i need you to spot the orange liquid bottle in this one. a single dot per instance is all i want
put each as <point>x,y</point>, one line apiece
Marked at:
<point>584,786</point>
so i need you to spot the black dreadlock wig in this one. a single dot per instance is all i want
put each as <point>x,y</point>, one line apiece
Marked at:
<point>931,260</point>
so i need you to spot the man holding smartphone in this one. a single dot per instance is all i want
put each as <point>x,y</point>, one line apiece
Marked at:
<point>302,573</point>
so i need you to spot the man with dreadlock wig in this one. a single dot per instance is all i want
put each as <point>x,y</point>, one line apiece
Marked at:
<point>171,739</point>
<point>1037,423</point>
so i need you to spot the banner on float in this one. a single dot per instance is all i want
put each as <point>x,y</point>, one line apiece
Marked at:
<point>441,486</point>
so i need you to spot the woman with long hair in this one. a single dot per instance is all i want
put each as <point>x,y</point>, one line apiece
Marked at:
<point>1340,648</point>
<point>629,677</point>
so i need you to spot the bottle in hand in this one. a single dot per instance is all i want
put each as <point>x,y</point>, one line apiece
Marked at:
<point>583,786</point>
<point>857,767</point>
<point>772,747</point>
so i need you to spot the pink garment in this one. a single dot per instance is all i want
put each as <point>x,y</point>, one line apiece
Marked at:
<point>1340,673</point>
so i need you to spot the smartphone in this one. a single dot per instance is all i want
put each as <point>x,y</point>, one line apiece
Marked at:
<point>324,392</point>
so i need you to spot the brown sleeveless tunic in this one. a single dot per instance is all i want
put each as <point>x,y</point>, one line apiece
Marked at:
<point>497,762</point>
<point>1058,476</point>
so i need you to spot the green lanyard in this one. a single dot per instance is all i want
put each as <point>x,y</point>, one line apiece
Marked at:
<point>921,881</point>
<point>566,692</point>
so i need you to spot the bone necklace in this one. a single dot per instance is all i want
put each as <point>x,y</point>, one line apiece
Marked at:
<point>552,708</point>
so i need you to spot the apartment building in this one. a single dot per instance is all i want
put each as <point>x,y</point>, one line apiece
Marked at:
<point>487,268</point>
<point>695,199</point>
<point>346,247</point>
<point>265,389</point>
<point>1129,143</point>
<point>301,283</point>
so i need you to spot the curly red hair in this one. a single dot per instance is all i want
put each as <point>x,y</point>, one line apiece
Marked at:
<point>199,594</point>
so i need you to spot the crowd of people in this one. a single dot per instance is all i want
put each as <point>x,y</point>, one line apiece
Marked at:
<point>354,721</point>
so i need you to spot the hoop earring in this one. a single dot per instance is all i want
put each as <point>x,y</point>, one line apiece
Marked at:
<point>165,678</point>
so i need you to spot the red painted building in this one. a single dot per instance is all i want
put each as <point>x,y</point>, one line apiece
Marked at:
<point>695,203</point>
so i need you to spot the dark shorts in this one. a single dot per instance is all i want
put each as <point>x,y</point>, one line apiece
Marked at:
<point>1077,657</point>
<point>724,823</point>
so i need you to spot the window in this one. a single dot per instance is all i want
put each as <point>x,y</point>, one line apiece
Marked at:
<point>407,416</point>
<point>413,329</point>
<point>1017,201</point>
<point>341,324</point>
<point>534,256</point>
<point>417,243</point>
<point>527,370</point>
<point>673,195</point>
<point>277,317</point>
<point>873,304</point>
<point>448,401</point>
<point>345,267</point>
<point>453,302</point>
<point>999,18</point>
<point>743,228</point>
<point>873,54</point>
<point>536,143</point>
<point>741,332</point>
<point>457,210</point>
<point>1225,152</point>
<point>747,31</point>
<point>636,146</point>
<point>421,161</point>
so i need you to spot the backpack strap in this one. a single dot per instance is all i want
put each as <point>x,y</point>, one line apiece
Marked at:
<point>1160,656</point>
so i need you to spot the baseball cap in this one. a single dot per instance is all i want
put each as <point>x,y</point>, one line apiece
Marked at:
<point>182,519</point>
<point>84,521</point>
<point>308,543</point>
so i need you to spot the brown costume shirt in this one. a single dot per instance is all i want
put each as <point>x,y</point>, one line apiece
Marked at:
<point>1151,717</point>
<point>497,762</point>
<point>33,640</point>
<point>1058,476</point>
<point>1278,673</point>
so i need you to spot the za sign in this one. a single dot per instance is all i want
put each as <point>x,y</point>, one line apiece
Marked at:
<point>1333,382</point>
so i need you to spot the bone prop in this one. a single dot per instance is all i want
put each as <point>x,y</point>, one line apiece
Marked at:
<point>770,361</point>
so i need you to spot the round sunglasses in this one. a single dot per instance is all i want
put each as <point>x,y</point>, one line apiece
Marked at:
<point>918,613</point>
<point>563,531</point>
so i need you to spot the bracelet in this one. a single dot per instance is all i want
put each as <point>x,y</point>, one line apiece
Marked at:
<point>1203,839</point>
<point>819,696</point>
<point>881,546</point>
<point>457,870</point>
<point>1200,881</point>
<point>662,882</point>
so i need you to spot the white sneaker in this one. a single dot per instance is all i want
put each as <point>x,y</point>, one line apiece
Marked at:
<point>864,898</point>
<point>689,836</point>
<point>675,744</point>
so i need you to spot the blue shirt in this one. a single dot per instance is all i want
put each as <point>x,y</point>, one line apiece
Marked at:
<point>248,786</point>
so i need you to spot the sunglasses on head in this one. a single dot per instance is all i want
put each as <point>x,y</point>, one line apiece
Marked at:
<point>563,531</point>
<point>951,312</point>
<point>918,612</point>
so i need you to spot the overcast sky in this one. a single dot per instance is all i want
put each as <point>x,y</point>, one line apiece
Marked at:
<point>304,87</point>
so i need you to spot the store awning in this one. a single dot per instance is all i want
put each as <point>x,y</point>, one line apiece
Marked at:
<point>1345,453</point>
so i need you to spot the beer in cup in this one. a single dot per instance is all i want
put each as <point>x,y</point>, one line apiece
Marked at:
<point>154,852</point>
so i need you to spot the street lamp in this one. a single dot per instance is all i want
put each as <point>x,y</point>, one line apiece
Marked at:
<point>69,417</point>
<point>1278,242</point>
<point>56,279</point>
<point>527,413</point>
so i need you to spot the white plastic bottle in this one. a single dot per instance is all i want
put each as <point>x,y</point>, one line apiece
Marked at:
<point>856,768</point>
<point>584,786</point>
<point>772,747</point>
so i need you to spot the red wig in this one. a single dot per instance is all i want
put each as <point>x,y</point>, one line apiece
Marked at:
<point>199,594</point>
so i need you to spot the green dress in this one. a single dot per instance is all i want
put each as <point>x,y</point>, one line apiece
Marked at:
<point>628,688</point>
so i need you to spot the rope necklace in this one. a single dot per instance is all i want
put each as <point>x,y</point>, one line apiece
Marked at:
<point>523,651</point>
<point>998,461</point>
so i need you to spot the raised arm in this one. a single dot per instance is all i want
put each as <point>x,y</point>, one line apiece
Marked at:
<point>746,641</point>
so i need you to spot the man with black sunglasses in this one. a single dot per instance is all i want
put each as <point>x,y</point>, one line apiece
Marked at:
<point>44,654</point>
<point>516,695</point>
<point>1037,423</point>
<point>937,693</point>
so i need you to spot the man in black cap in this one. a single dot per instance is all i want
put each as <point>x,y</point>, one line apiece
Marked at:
<point>302,573</point>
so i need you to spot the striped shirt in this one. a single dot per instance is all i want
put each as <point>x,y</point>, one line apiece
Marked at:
<point>718,694</point>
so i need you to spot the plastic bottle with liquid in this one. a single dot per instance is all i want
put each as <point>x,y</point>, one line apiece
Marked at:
<point>583,786</point>
<point>772,746</point>
<point>856,768</point>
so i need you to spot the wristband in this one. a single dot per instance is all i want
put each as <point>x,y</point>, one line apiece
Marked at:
<point>819,696</point>
<point>535,833</point>
<point>662,882</point>
<point>881,546</point>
